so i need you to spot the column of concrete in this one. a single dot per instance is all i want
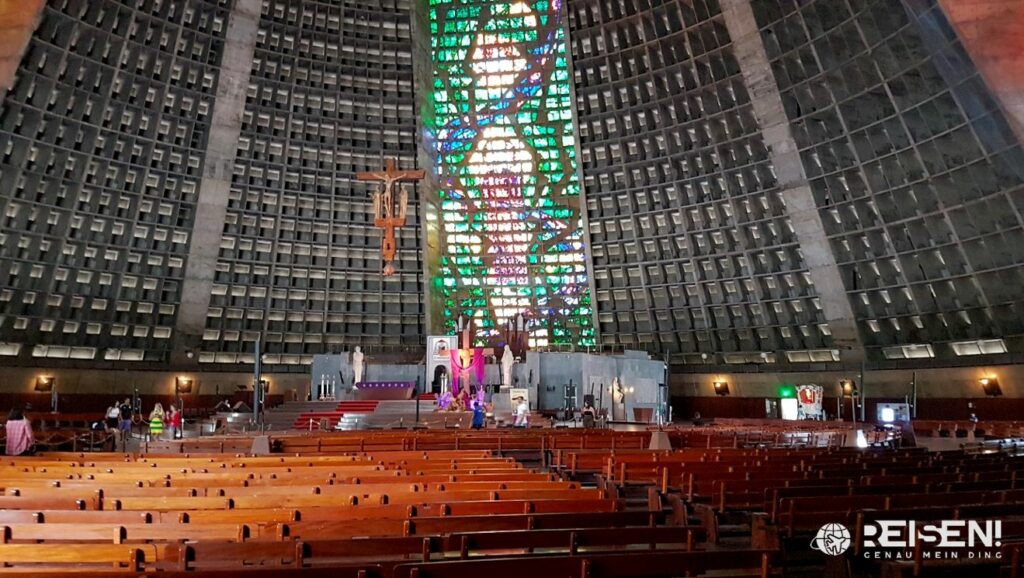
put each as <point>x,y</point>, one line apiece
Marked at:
<point>221,150</point>
<point>792,179</point>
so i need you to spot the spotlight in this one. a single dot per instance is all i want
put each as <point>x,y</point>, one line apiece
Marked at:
<point>183,384</point>
<point>991,386</point>
<point>721,388</point>
<point>849,387</point>
<point>45,383</point>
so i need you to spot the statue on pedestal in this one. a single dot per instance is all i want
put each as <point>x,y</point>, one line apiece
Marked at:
<point>357,365</point>
<point>507,361</point>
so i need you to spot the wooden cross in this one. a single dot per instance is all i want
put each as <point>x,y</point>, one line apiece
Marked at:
<point>387,213</point>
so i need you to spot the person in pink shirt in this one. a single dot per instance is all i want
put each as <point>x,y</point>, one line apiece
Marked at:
<point>19,433</point>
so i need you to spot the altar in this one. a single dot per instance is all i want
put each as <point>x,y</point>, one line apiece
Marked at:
<point>384,390</point>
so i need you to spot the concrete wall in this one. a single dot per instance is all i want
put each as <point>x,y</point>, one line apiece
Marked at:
<point>594,374</point>
<point>546,373</point>
<point>88,381</point>
<point>935,383</point>
<point>943,393</point>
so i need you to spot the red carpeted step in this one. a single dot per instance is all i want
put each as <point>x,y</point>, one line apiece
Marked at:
<point>334,416</point>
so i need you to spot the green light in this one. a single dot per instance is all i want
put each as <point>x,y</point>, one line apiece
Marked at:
<point>786,390</point>
<point>505,146</point>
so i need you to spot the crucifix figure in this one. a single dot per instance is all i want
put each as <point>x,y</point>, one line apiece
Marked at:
<point>387,213</point>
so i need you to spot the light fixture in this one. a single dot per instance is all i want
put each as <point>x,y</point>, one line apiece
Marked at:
<point>991,386</point>
<point>183,384</point>
<point>45,383</point>
<point>848,387</point>
<point>721,388</point>
<point>266,385</point>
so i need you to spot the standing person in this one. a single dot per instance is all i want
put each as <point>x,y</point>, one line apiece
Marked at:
<point>174,419</point>
<point>113,417</point>
<point>589,415</point>
<point>111,423</point>
<point>156,421</point>
<point>522,413</point>
<point>19,433</point>
<point>478,414</point>
<point>125,410</point>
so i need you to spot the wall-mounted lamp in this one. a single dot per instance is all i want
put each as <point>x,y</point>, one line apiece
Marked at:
<point>721,388</point>
<point>848,387</point>
<point>266,385</point>
<point>45,383</point>
<point>991,386</point>
<point>183,384</point>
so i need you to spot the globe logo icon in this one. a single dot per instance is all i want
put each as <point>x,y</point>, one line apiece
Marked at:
<point>832,539</point>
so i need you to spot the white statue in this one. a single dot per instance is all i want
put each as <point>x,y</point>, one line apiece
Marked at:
<point>507,360</point>
<point>357,365</point>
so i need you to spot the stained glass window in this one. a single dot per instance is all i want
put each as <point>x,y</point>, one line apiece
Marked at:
<point>511,238</point>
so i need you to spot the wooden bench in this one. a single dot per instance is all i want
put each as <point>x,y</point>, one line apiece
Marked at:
<point>70,557</point>
<point>657,564</point>
<point>84,532</point>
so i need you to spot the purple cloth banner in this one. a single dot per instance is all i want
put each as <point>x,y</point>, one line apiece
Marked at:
<point>476,364</point>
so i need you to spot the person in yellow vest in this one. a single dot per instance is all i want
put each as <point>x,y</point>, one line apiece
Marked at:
<point>156,422</point>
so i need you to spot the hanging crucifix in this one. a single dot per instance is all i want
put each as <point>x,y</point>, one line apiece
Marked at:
<point>389,212</point>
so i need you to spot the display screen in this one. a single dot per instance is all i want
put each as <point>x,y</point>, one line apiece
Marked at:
<point>508,200</point>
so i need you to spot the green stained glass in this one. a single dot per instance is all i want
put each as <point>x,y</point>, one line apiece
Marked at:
<point>511,239</point>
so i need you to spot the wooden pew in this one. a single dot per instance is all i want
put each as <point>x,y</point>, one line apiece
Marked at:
<point>572,539</point>
<point>309,530</point>
<point>70,557</point>
<point>87,533</point>
<point>656,564</point>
